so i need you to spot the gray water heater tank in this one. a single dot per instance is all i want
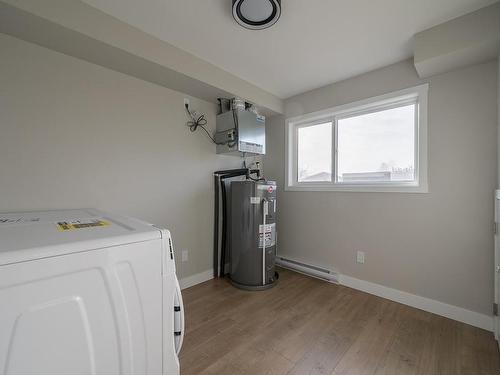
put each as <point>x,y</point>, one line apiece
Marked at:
<point>253,234</point>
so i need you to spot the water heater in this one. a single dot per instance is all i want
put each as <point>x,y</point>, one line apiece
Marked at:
<point>239,129</point>
<point>252,231</point>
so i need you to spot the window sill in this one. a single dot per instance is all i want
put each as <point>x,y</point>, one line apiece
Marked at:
<point>409,188</point>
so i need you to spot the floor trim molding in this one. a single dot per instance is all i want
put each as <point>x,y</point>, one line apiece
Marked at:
<point>439,308</point>
<point>198,278</point>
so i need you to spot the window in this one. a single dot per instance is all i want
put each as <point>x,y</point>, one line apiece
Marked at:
<point>314,152</point>
<point>379,144</point>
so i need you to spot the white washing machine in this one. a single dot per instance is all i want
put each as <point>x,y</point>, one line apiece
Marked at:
<point>85,292</point>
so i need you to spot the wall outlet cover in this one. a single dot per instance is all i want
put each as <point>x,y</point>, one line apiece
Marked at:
<point>184,255</point>
<point>360,257</point>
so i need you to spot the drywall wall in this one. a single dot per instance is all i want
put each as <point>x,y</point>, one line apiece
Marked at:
<point>496,322</point>
<point>74,134</point>
<point>80,30</point>
<point>438,245</point>
<point>467,40</point>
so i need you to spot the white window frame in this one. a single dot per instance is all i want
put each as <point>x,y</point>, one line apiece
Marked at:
<point>417,95</point>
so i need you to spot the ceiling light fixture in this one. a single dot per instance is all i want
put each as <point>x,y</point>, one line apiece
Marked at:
<point>256,14</point>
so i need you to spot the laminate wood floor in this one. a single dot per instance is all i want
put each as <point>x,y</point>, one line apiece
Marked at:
<point>308,326</point>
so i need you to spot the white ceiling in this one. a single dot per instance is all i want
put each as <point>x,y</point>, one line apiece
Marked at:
<point>316,42</point>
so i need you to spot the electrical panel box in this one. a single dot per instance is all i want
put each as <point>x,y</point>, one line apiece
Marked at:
<point>239,131</point>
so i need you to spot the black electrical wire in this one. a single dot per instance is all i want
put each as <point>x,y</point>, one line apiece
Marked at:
<point>198,122</point>
<point>201,122</point>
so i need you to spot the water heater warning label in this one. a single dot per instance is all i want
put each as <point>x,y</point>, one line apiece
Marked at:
<point>81,224</point>
<point>269,232</point>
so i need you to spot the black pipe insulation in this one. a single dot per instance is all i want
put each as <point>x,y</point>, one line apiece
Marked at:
<point>230,171</point>
<point>216,226</point>
<point>223,245</point>
<point>219,177</point>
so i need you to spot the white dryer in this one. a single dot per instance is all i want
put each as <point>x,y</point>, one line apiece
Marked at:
<point>83,292</point>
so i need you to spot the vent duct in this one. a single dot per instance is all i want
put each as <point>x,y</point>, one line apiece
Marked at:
<point>256,14</point>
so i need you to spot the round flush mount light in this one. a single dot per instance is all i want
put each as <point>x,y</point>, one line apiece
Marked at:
<point>256,14</point>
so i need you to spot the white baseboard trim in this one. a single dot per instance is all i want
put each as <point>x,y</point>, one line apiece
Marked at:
<point>439,308</point>
<point>198,278</point>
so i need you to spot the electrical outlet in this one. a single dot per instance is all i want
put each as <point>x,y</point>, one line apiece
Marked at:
<point>184,256</point>
<point>186,101</point>
<point>360,257</point>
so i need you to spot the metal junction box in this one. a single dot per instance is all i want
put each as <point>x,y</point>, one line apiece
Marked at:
<point>239,131</point>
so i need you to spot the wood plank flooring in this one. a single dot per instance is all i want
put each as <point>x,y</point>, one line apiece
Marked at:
<point>305,326</point>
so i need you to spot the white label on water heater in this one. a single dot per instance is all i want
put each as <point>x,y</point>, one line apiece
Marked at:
<point>270,234</point>
<point>254,200</point>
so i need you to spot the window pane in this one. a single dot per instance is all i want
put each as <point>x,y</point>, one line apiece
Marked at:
<point>314,159</point>
<point>377,147</point>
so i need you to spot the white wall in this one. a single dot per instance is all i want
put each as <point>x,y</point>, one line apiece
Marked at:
<point>438,245</point>
<point>73,134</point>
<point>497,248</point>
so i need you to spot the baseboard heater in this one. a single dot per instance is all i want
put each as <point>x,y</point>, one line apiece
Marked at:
<point>308,269</point>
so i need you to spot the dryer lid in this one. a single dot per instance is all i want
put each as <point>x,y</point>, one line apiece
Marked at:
<point>39,234</point>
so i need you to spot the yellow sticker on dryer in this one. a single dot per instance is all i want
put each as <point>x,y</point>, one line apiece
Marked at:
<point>81,224</point>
